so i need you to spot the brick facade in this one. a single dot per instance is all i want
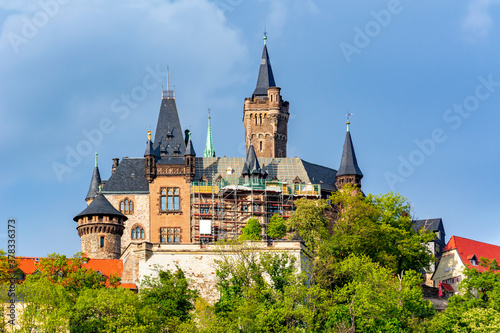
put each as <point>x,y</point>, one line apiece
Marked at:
<point>266,122</point>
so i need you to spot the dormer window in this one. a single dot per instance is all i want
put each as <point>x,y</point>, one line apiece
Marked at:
<point>473,260</point>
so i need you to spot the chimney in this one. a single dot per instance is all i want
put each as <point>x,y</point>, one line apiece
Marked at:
<point>116,162</point>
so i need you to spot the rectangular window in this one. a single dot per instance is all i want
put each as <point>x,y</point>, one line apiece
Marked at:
<point>170,199</point>
<point>170,235</point>
<point>102,241</point>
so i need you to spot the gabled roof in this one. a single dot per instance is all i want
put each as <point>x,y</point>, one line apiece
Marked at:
<point>252,166</point>
<point>349,164</point>
<point>108,267</point>
<point>168,134</point>
<point>95,182</point>
<point>466,248</point>
<point>128,178</point>
<point>100,206</point>
<point>266,77</point>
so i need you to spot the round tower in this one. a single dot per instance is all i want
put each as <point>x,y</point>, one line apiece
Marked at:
<point>100,227</point>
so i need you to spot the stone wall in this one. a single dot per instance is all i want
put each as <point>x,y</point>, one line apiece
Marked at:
<point>91,245</point>
<point>197,262</point>
<point>139,217</point>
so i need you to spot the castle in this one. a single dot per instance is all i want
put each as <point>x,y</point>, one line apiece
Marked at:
<point>172,200</point>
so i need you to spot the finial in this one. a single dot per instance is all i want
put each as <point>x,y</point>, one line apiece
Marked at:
<point>348,122</point>
<point>95,159</point>
<point>149,135</point>
<point>100,188</point>
<point>265,36</point>
<point>209,113</point>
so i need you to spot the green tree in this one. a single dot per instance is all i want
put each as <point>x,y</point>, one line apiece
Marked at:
<point>372,299</point>
<point>478,302</point>
<point>169,296</point>
<point>276,227</point>
<point>111,310</point>
<point>252,230</point>
<point>310,222</point>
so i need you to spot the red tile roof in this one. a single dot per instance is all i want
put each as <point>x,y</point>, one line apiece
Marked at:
<point>107,267</point>
<point>466,248</point>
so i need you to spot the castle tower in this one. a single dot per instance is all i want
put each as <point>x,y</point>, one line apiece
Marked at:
<point>169,169</point>
<point>100,227</point>
<point>95,183</point>
<point>265,114</point>
<point>349,171</point>
<point>209,148</point>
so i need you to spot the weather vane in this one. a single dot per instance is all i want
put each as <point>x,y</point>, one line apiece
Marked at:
<point>348,115</point>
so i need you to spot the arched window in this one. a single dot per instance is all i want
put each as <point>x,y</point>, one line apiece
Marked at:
<point>133,233</point>
<point>142,233</point>
<point>137,232</point>
<point>126,206</point>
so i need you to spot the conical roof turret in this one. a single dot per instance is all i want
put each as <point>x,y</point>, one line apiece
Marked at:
<point>95,182</point>
<point>100,206</point>
<point>266,77</point>
<point>349,163</point>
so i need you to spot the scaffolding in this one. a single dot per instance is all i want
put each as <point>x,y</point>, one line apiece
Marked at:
<point>227,204</point>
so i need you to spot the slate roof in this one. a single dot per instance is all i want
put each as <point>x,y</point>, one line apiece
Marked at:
<point>252,166</point>
<point>428,224</point>
<point>349,164</point>
<point>149,149</point>
<point>190,148</point>
<point>466,248</point>
<point>128,177</point>
<point>100,206</point>
<point>284,169</point>
<point>95,182</point>
<point>168,134</point>
<point>266,77</point>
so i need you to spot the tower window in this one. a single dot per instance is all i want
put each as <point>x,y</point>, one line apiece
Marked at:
<point>102,241</point>
<point>261,146</point>
<point>170,235</point>
<point>170,199</point>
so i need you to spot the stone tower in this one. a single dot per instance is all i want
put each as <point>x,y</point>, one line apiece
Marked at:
<point>265,114</point>
<point>349,171</point>
<point>100,227</point>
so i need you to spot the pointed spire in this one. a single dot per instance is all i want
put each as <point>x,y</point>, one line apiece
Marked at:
<point>95,182</point>
<point>349,164</point>
<point>190,148</point>
<point>209,147</point>
<point>266,77</point>
<point>252,166</point>
<point>149,146</point>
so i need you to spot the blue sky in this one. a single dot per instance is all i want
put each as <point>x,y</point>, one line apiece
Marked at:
<point>421,78</point>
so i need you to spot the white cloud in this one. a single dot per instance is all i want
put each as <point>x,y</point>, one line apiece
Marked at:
<point>477,22</point>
